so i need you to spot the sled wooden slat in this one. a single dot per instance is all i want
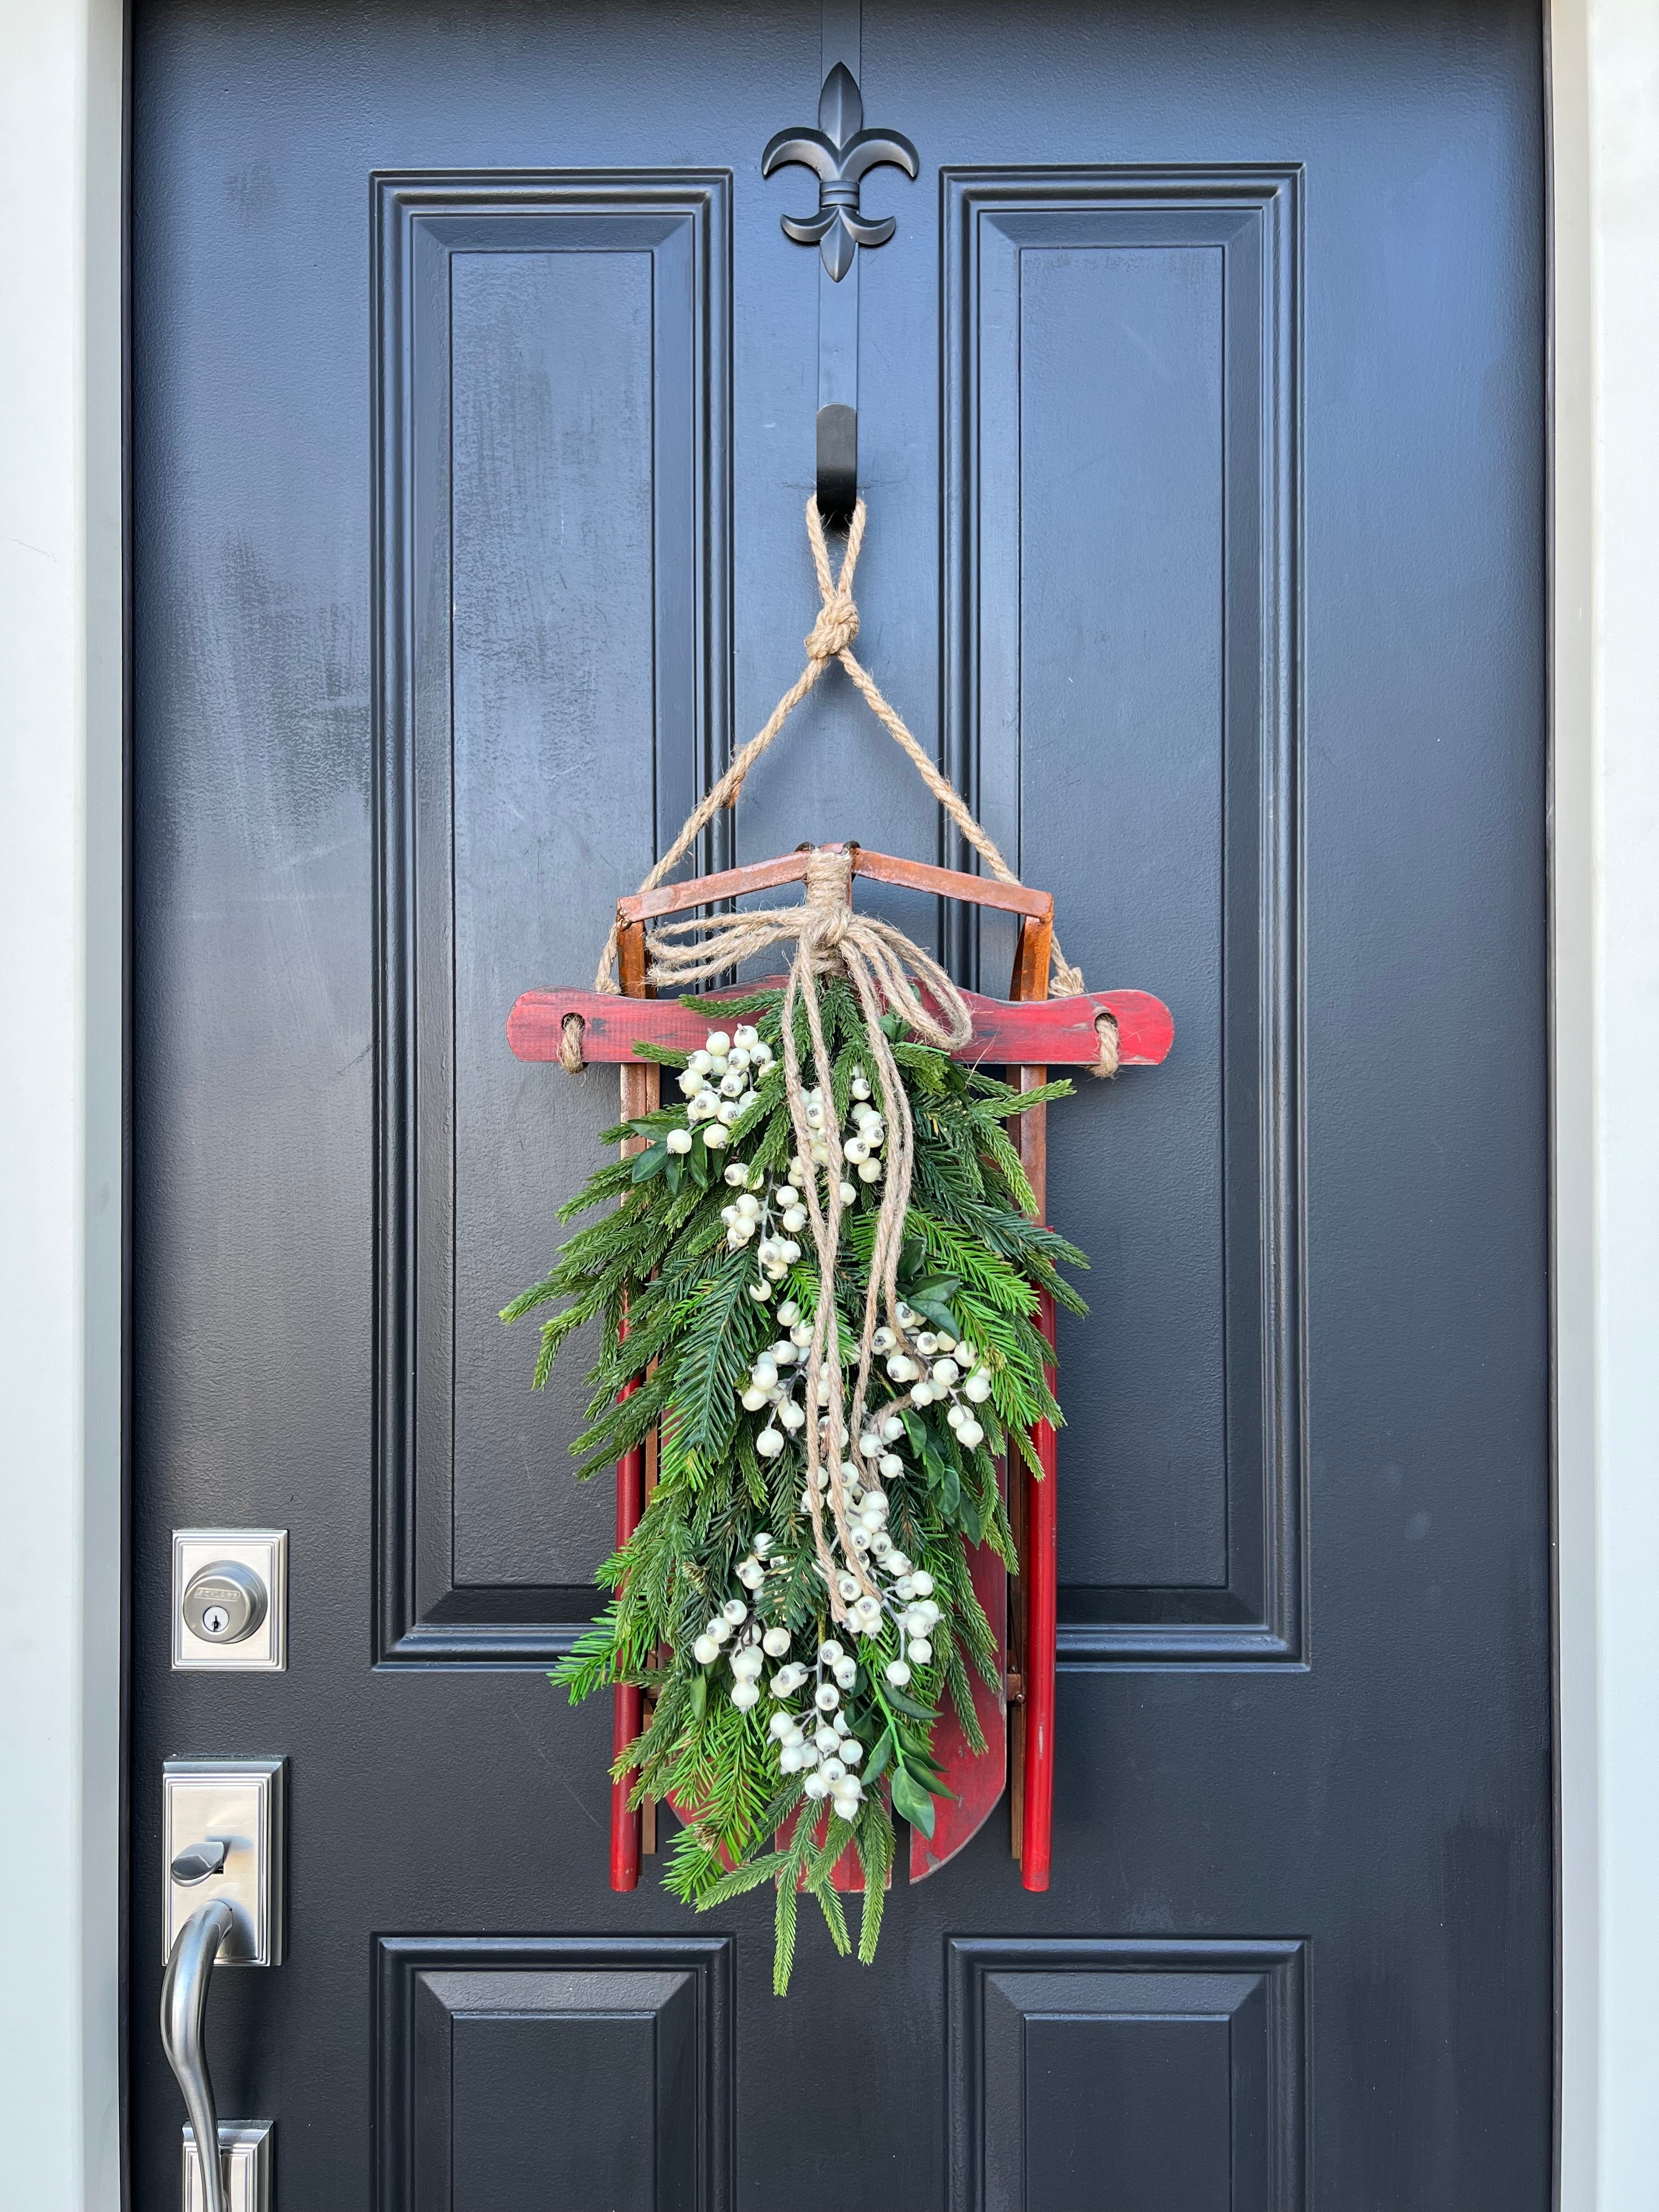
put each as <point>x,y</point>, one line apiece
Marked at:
<point>641,1091</point>
<point>1047,1033</point>
<point>1019,1735</point>
<point>791,868</point>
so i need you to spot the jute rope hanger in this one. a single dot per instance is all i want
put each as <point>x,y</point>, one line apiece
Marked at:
<point>831,638</point>
<point>884,968</point>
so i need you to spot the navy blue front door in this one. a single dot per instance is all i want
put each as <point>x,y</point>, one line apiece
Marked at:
<point>1200,396</point>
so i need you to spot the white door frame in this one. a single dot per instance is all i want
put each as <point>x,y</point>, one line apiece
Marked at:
<point>1604,101</point>
<point>62,110</point>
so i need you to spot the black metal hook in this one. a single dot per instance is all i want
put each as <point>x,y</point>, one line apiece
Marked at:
<point>838,462</point>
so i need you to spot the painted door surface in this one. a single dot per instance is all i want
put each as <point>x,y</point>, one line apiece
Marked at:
<point>1201,397</point>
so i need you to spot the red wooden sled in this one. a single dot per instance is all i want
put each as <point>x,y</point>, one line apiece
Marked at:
<point>1026,1035</point>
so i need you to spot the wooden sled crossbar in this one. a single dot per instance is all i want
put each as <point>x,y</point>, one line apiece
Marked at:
<point>879,868</point>
<point>1026,1035</point>
<point>1005,1034</point>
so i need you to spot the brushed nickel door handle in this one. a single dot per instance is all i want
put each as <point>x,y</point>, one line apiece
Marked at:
<point>184,2012</point>
<point>222,1845</point>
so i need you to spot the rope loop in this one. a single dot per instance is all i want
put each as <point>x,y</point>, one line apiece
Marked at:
<point>830,639</point>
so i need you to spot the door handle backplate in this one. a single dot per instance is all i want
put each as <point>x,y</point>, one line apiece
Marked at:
<point>236,1804</point>
<point>245,2164</point>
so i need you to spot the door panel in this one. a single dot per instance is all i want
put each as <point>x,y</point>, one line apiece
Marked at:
<point>1125,577</point>
<point>1178,2067</point>
<point>1201,423</point>
<point>548,701</point>
<point>562,2072</point>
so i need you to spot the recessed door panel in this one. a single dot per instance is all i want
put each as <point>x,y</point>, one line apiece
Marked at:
<point>1126,424</point>
<point>553,484</point>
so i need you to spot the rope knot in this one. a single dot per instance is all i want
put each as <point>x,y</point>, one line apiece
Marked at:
<point>827,908</point>
<point>837,627</point>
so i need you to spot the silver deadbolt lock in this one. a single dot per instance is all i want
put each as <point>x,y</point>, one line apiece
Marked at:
<point>230,1599</point>
<point>225,1601</point>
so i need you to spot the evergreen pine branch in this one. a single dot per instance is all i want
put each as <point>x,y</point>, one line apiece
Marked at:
<point>693,1867</point>
<point>623,1427</point>
<point>611,1181</point>
<point>819,1868</point>
<point>874,1837</point>
<point>1005,1158</point>
<point>742,1879</point>
<point>788,1882</point>
<point>713,1363</point>
<point>962,1698</point>
<point>729,1005</point>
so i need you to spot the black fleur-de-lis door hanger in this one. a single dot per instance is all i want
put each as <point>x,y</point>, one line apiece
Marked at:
<point>841,153</point>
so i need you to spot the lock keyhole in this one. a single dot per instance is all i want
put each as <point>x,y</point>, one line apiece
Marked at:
<point>224,1602</point>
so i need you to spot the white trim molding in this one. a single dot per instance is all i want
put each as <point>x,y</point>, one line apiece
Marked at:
<point>61,1043</point>
<point>61,1197</point>
<point>1572,1038</point>
<point>1605,57</point>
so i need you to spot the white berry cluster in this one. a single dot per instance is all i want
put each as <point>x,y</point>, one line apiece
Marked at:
<point>833,1751</point>
<point>947,1374</point>
<point>718,1086</point>
<point>829,1756</point>
<point>861,1141</point>
<point>771,1215</point>
<point>908,1597</point>
<point>773,1378</point>
<point>768,1215</point>
<point>751,1644</point>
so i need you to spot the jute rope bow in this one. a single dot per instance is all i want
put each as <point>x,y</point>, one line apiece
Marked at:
<point>884,968</point>
<point>880,962</point>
